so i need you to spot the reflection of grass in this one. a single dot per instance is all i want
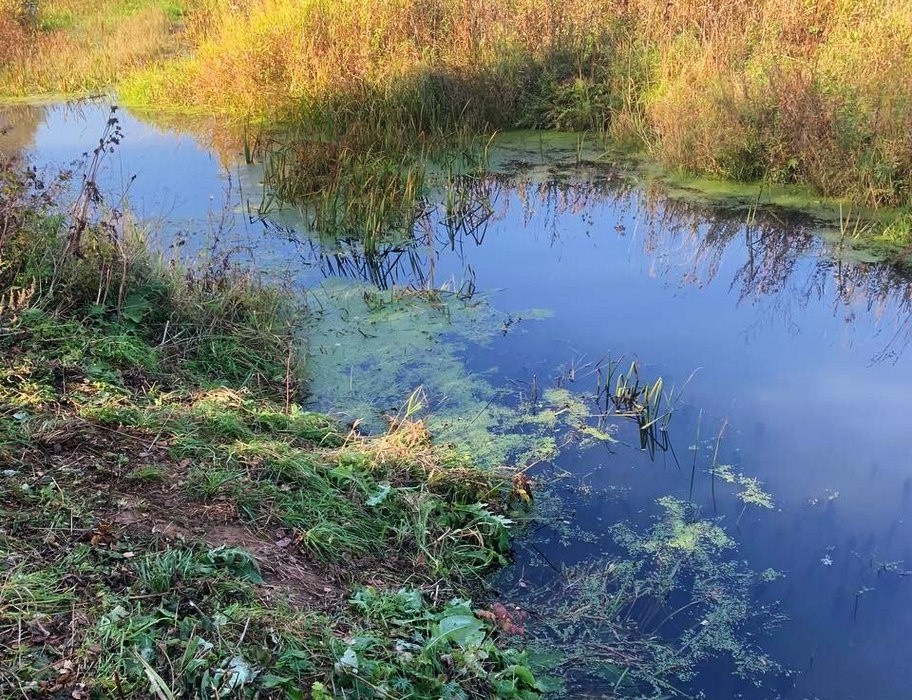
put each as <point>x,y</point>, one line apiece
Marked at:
<point>345,191</point>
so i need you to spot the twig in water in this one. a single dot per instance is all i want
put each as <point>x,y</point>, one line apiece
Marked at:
<point>714,463</point>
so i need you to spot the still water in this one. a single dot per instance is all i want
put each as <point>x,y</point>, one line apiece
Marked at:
<point>799,351</point>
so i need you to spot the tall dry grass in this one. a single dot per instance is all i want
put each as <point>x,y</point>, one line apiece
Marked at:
<point>817,92</point>
<point>78,46</point>
<point>811,92</point>
<point>416,62</point>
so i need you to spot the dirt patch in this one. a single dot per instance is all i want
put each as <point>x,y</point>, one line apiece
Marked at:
<point>285,572</point>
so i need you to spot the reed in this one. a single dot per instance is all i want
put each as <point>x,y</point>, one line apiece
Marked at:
<point>812,93</point>
<point>817,93</point>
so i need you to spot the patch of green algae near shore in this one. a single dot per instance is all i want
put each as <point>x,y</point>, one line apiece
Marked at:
<point>368,352</point>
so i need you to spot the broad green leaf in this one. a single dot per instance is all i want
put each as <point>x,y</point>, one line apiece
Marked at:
<point>464,630</point>
<point>380,495</point>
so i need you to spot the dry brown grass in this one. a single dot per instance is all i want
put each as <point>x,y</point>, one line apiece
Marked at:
<point>806,92</point>
<point>818,93</point>
<point>81,46</point>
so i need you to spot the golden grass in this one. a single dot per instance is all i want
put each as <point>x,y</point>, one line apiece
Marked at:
<point>78,46</point>
<point>812,92</point>
<point>819,93</point>
<point>784,90</point>
<point>414,58</point>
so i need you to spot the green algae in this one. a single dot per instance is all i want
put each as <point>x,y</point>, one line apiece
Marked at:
<point>751,490</point>
<point>366,355</point>
<point>369,350</point>
<point>607,616</point>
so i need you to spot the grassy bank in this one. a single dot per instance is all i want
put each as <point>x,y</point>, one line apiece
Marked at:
<point>76,46</point>
<point>174,526</point>
<point>818,94</point>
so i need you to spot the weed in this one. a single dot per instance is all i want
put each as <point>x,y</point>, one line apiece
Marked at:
<point>144,412</point>
<point>609,614</point>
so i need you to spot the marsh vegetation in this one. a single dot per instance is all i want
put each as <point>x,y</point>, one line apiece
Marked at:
<point>814,93</point>
<point>223,481</point>
<point>175,524</point>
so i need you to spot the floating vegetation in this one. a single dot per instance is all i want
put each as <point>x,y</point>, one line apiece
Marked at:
<point>642,622</point>
<point>751,492</point>
<point>369,349</point>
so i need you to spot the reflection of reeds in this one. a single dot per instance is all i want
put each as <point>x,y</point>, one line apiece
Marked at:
<point>346,187</point>
<point>456,208</point>
<point>347,193</point>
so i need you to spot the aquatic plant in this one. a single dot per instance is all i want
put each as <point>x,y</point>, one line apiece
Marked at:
<point>624,394</point>
<point>643,621</point>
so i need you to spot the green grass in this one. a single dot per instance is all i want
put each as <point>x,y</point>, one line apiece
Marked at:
<point>175,526</point>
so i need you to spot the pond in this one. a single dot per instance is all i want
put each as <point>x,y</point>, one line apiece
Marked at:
<point>790,357</point>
